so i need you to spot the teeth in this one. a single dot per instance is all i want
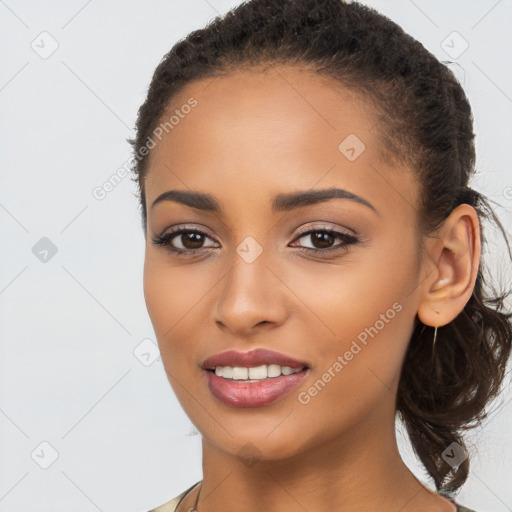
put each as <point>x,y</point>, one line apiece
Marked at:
<point>240,373</point>
<point>254,373</point>
<point>273,370</point>
<point>258,372</point>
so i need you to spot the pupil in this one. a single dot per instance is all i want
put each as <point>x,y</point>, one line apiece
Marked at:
<point>323,238</point>
<point>195,240</point>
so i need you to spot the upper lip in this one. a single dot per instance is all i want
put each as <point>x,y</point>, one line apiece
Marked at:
<point>257,357</point>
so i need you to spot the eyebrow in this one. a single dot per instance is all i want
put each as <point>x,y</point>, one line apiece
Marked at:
<point>280,203</point>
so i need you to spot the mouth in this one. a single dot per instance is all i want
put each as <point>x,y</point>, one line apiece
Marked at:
<point>253,386</point>
<point>252,379</point>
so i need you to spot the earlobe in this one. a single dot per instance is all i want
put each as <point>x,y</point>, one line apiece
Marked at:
<point>452,268</point>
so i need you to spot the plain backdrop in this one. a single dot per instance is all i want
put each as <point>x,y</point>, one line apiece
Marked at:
<point>88,420</point>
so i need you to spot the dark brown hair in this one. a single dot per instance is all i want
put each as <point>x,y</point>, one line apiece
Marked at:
<point>425,121</point>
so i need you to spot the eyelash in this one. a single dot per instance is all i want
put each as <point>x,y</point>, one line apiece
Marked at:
<point>166,239</point>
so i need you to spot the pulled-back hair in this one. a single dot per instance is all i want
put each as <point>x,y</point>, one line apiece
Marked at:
<point>424,122</point>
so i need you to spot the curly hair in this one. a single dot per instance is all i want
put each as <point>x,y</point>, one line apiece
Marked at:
<point>425,121</point>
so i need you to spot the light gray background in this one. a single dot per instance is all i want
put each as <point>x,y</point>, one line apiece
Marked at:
<point>69,326</point>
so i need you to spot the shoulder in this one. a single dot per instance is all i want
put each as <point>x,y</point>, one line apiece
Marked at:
<point>170,506</point>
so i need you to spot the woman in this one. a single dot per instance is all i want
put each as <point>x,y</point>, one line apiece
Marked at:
<point>313,259</point>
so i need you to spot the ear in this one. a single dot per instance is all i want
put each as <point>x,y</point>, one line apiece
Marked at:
<point>451,267</point>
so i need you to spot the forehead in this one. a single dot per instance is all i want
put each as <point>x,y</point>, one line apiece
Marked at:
<point>281,128</point>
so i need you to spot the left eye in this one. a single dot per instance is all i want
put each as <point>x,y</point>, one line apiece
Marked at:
<point>322,239</point>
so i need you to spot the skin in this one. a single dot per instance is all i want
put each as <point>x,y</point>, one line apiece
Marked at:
<point>252,135</point>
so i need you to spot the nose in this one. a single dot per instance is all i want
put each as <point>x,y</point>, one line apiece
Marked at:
<point>251,297</point>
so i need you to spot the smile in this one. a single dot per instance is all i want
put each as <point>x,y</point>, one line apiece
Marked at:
<point>255,373</point>
<point>248,387</point>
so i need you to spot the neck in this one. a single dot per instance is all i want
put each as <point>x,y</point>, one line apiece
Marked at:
<point>360,470</point>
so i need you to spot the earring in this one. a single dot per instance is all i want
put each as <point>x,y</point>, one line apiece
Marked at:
<point>435,336</point>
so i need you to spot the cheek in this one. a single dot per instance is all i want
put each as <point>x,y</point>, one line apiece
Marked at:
<point>169,297</point>
<point>343,300</point>
<point>359,368</point>
<point>170,301</point>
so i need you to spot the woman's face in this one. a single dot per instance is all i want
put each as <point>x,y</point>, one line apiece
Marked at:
<point>251,143</point>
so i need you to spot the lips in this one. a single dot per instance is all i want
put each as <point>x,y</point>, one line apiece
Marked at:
<point>251,393</point>
<point>243,394</point>
<point>255,357</point>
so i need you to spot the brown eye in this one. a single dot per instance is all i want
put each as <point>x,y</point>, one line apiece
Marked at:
<point>183,240</point>
<point>190,240</point>
<point>322,240</point>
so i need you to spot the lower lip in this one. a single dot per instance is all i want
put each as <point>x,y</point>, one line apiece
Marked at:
<point>239,393</point>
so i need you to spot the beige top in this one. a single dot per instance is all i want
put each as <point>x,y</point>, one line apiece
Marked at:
<point>171,506</point>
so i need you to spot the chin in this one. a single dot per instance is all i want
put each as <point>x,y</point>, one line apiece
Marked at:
<point>257,444</point>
